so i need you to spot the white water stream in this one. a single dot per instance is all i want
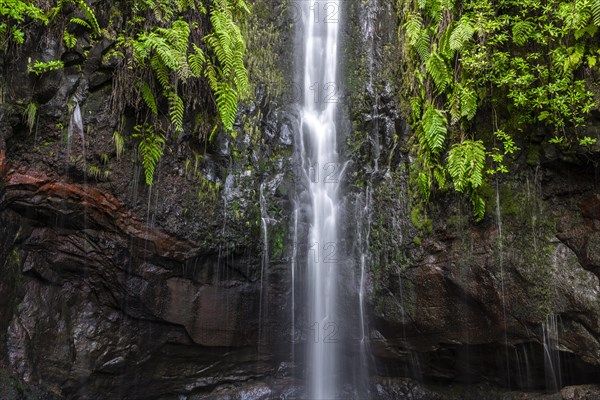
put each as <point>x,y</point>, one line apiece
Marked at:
<point>321,164</point>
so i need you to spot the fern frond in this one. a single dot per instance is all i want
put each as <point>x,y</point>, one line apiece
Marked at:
<point>424,185</point>
<point>413,28</point>
<point>151,149</point>
<point>89,14</point>
<point>69,39</point>
<point>30,115</point>
<point>465,164</point>
<point>81,22</point>
<point>226,104</point>
<point>434,124</point>
<point>197,60</point>
<point>522,31</point>
<point>478,206</point>
<point>439,71</point>
<point>161,72</point>
<point>454,103</point>
<point>148,97</point>
<point>462,33</point>
<point>596,12</point>
<point>416,105</point>
<point>176,111</point>
<point>423,46</point>
<point>468,103</point>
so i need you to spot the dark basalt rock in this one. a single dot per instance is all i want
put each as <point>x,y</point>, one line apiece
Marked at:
<point>112,290</point>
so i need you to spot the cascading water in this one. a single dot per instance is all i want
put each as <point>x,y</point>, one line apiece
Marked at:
<point>319,154</point>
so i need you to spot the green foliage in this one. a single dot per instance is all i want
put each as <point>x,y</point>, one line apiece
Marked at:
<point>228,77</point>
<point>173,58</point>
<point>462,33</point>
<point>434,128</point>
<point>466,162</point>
<point>14,16</point>
<point>596,11</point>
<point>151,148</point>
<point>176,110</point>
<point>587,141</point>
<point>119,144</point>
<point>39,67</point>
<point>30,115</point>
<point>90,21</point>
<point>520,56</point>
<point>94,171</point>
<point>439,71</point>
<point>69,39</point>
<point>166,50</point>
<point>148,97</point>
<point>89,14</point>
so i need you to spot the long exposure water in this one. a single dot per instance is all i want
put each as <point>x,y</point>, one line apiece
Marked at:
<point>320,156</point>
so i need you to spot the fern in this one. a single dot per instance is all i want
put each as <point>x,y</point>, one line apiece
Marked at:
<point>466,162</point>
<point>69,39</point>
<point>439,71</point>
<point>161,71</point>
<point>434,129</point>
<point>424,185</point>
<point>148,97</point>
<point>229,79</point>
<point>596,12</point>
<point>478,206</point>
<point>413,28</point>
<point>416,105</point>
<point>522,32</point>
<point>422,46</point>
<point>176,111</point>
<point>151,149</point>
<point>462,33</point>
<point>468,103</point>
<point>89,14</point>
<point>80,22</point>
<point>197,60</point>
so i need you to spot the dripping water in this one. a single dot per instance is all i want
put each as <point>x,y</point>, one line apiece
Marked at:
<point>264,218</point>
<point>552,369</point>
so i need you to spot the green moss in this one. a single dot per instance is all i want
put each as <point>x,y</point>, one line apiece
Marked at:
<point>419,218</point>
<point>533,154</point>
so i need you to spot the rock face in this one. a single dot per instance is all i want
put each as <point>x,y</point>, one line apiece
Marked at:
<point>112,290</point>
<point>101,305</point>
<point>513,300</point>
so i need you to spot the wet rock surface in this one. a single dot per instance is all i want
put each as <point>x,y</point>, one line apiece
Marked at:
<point>513,300</point>
<point>112,290</point>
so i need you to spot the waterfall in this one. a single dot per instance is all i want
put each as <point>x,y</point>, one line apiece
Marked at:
<point>75,125</point>
<point>320,164</point>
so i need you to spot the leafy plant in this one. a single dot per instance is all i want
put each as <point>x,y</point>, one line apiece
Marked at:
<point>69,39</point>
<point>173,58</point>
<point>40,67</point>
<point>119,144</point>
<point>30,115</point>
<point>94,171</point>
<point>151,148</point>
<point>519,56</point>
<point>466,163</point>
<point>229,78</point>
<point>90,21</point>
<point>14,14</point>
